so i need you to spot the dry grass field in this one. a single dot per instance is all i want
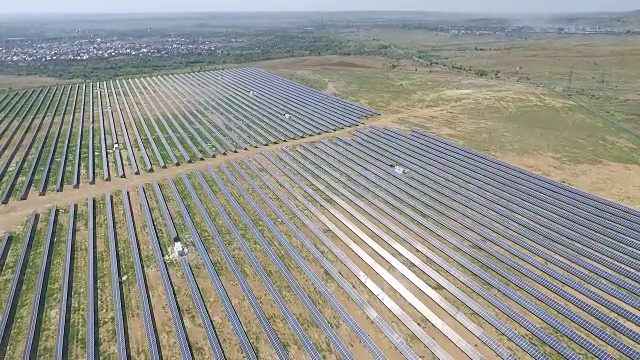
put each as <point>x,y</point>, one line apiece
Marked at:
<point>8,82</point>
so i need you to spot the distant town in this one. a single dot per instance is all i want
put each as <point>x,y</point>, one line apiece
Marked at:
<point>102,46</point>
<point>22,50</point>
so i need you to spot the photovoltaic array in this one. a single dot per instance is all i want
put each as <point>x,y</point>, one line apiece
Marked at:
<point>387,244</point>
<point>73,134</point>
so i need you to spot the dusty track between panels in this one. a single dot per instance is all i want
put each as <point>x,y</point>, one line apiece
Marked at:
<point>15,213</point>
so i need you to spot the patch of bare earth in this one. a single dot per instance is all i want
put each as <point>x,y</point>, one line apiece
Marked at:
<point>341,63</point>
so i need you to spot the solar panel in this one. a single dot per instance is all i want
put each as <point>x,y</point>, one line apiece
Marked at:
<point>325,117</point>
<point>152,338</point>
<point>26,188</point>
<point>114,132</point>
<point>442,187</point>
<point>201,309</point>
<point>360,109</point>
<point>592,200</point>
<point>355,296</point>
<point>151,119</point>
<point>20,100</point>
<point>315,279</point>
<point>431,344</point>
<point>173,121</point>
<point>142,121</point>
<point>262,136</point>
<point>560,347</point>
<point>176,98</point>
<point>78,158</point>
<point>106,173</point>
<point>8,191</point>
<point>167,128</point>
<point>377,176</point>
<point>65,148</point>
<point>30,346</point>
<point>65,304</point>
<point>245,345</point>
<point>127,140</point>
<point>49,161</point>
<point>290,318</point>
<point>193,133</point>
<point>173,233</point>
<point>16,282</point>
<point>91,282</point>
<point>115,281</point>
<point>280,130</point>
<point>92,167</point>
<point>609,339</point>
<point>448,307</point>
<point>379,148</point>
<point>21,119</point>
<point>303,116</point>
<point>333,337</point>
<point>188,98</point>
<point>178,326</point>
<point>205,108</point>
<point>594,218</point>
<point>193,287</point>
<point>5,246</point>
<point>290,106</point>
<point>217,108</point>
<point>6,143</point>
<point>529,197</point>
<point>10,101</point>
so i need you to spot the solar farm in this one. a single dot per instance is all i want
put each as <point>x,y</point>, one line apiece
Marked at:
<point>382,244</point>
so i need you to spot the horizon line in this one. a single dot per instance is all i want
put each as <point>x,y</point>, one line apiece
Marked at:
<point>196,12</point>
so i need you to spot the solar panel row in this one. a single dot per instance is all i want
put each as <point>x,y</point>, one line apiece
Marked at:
<point>190,115</point>
<point>411,200</point>
<point>592,200</point>
<point>315,279</point>
<point>523,200</point>
<point>488,215</point>
<point>65,300</point>
<point>150,332</point>
<point>115,281</point>
<point>183,343</point>
<point>65,148</point>
<point>355,296</point>
<point>361,186</point>
<point>391,153</point>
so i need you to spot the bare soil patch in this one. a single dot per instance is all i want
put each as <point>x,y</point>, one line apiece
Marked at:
<point>344,62</point>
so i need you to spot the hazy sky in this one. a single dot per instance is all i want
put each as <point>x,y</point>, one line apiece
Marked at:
<point>127,6</point>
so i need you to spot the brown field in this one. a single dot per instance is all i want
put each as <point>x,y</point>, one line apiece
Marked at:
<point>8,82</point>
